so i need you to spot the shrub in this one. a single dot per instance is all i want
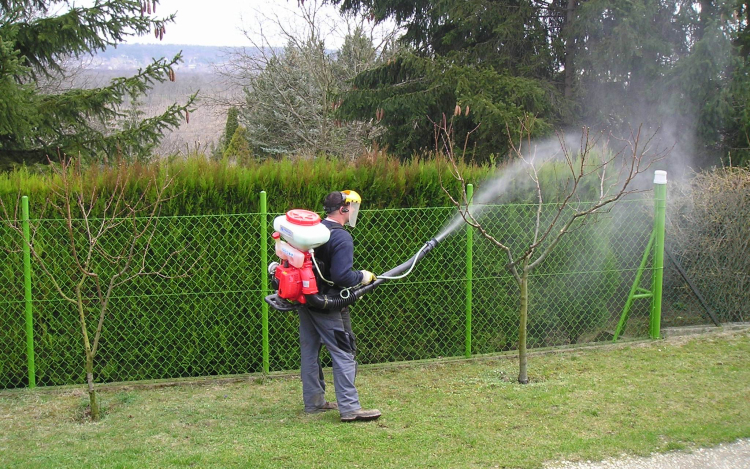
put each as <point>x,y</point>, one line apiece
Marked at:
<point>708,230</point>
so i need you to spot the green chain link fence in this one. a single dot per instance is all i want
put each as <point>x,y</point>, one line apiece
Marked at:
<point>209,322</point>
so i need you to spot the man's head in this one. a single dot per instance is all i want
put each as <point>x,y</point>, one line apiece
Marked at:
<point>342,206</point>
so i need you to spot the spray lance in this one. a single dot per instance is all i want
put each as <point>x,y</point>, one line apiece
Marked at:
<point>295,280</point>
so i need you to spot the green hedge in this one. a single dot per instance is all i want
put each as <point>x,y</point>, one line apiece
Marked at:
<point>202,186</point>
<point>209,322</point>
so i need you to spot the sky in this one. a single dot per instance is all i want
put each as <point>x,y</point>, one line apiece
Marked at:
<point>221,22</point>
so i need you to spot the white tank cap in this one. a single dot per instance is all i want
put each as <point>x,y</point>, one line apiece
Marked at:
<point>660,177</point>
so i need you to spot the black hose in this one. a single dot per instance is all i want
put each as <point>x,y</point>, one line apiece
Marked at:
<point>319,301</point>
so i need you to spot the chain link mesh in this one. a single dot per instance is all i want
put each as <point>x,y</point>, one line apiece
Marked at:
<point>201,315</point>
<point>13,369</point>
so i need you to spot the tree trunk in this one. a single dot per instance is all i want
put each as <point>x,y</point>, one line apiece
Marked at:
<point>93,403</point>
<point>523,377</point>
<point>569,43</point>
<point>707,14</point>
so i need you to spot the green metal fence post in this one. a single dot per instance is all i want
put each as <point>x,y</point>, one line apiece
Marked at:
<point>469,270</point>
<point>660,210</point>
<point>636,291</point>
<point>27,291</point>
<point>264,276</point>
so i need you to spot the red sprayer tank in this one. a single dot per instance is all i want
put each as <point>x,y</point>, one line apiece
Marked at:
<point>301,231</point>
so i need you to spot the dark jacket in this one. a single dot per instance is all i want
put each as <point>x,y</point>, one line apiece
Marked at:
<point>338,256</point>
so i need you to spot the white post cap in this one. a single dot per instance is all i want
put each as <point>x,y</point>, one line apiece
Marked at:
<point>660,177</point>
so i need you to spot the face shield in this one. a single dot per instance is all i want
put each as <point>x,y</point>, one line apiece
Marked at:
<point>354,201</point>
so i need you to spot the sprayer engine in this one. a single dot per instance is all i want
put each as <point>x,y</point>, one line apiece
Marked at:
<point>293,277</point>
<point>293,283</point>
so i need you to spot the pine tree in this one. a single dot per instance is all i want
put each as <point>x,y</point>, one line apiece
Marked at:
<point>607,63</point>
<point>35,41</point>
<point>674,64</point>
<point>487,62</point>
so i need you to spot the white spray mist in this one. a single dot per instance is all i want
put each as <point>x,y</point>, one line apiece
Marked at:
<point>537,154</point>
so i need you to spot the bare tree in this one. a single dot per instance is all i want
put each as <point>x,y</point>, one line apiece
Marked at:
<point>109,247</point>
<point>614,173</point>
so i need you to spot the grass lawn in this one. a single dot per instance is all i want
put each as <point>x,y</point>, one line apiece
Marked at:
<point>589,403</point>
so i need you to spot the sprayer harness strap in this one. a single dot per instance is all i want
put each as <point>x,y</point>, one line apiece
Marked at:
<point>317,267</point>
<point>320,272</point>
<point>344,292</point>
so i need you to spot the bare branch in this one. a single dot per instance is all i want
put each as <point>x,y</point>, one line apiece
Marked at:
<point>444,146</point>
<point>635,167</point>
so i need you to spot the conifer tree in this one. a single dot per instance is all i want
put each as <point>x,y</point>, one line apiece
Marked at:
<point>605,63</point>
<point>490,59</point>
<point>231,126</point>
<point>674,64</point>
<point>238,147</point>
<point>36,38</point>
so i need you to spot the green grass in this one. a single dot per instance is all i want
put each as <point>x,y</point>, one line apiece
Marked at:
<point>582,404</point>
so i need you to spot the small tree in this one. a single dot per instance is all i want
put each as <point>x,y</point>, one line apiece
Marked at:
<point>100,268</point>
<point>238,147</point>
<point>570,210</point>
<point>230,127</point>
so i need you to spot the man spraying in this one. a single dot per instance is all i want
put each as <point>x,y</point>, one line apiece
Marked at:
<point>333,327</point>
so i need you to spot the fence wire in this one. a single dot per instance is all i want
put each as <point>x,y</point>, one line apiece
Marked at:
<point>198,310</point>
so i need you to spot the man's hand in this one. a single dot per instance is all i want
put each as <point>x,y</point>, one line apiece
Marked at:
<point>367,277</point>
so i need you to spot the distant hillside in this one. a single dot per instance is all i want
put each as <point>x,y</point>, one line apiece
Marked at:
<point>134,56</point>
<point>195,74</point>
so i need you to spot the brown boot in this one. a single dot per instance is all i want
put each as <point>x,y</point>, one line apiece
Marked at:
<point>325,407</point>
<point>361,414</point>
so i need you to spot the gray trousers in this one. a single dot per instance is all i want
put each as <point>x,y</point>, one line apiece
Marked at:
<point>332,329</point>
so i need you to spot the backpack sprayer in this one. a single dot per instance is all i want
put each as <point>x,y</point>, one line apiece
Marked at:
<point>296,277</point>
